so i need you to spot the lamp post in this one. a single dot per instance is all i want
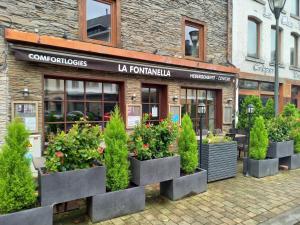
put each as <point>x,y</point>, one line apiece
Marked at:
<point>250,111</point>
<point>202,112</point>
<point>194,35</point>
<point>276,7</point>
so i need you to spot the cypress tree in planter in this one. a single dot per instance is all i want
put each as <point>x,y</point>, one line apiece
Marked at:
<point>120,198</point>
<point>17,187</point>
<point>193,180</point>
<point>258,165</point>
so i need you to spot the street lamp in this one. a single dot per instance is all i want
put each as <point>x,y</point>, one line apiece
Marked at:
<point>250,111</point>
<point>276,7</point>
<point>202,112</point>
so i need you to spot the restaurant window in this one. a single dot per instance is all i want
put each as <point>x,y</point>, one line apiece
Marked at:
<point>191,98</point>
<point>194,38</point>
<point>151,99</point>
<point>267,86</point>
<point>66,101</point>
<point>248,84</point>
<point>265,98</point>
<point>294,50</point>
<point>253,38</point>
<point>273,44</point>
<point>295,7</point>
<point>99,21</point>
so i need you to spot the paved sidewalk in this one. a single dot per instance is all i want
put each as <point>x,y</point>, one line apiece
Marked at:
<point>240,200</point>
<point>290,217</point>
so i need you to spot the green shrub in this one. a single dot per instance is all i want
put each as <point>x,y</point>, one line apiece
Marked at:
<point>215,139</point>
<point>290,110</point>
<point>243,115</point>
<point>187,145</point>
<point>258,140</point>
<point>295,135</point>
<point>116,153</point>
<point>77,149</point>
<point>279,129</point>
<point>17,187</point>
<point>268,111</point>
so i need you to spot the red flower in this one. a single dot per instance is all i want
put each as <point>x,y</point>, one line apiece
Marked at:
<point>100,150</point>
<point>148,125</point>
<point>161,120</point>
<point>59,154</point>
<point>146,145</point>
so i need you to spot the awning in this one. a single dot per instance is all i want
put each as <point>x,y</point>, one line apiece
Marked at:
<point>77,60</point>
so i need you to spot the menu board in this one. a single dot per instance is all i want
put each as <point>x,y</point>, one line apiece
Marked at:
<point>134,115</point>
<point>175,111</point>
<point>28,112</point>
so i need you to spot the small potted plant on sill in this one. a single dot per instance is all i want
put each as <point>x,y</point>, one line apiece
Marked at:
<point>153,161</point>
<point>73,165</point>
<point>193,180</point>
<point>219,157</point>
<point>258,165</point>
<point>280,143</point>
<point>18,200</point>
<point>121,198</point>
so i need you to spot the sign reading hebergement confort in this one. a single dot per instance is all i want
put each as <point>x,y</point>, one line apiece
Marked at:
<point>115,65</point>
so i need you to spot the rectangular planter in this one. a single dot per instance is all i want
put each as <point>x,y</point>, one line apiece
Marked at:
<point>293,161</point>
<point>118,203</point>
<point>220,160</point>
<point>154,170</point>
<point>280,149</point>
<point>185,185</point>
<point>263,168</point>
<point>71,185</point>
<point>34,216</point>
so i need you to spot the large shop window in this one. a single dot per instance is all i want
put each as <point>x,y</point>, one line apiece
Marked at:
<point>294,50</point>
<point>66,101</point>
<point>194,39</point>
<point>295,7</point>
<point>99,21</point>
<point>253,38</point>
<point>191,98</point>
<point>273,44</point>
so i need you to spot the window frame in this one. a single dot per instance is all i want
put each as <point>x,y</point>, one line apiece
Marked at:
<point>115,23</point>
<point>202,26</point>
<point>297,8</point>
<point>258,37</point>
<point>296,50</point>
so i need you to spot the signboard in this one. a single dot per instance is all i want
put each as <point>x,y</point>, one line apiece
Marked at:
<point>116,65</point>
<point>175,111</point>
<point>28,112</point>
<point>134,115</point>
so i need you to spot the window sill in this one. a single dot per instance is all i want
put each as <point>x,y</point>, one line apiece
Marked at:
<point>194,59</point>
<point>294,68</point>
<point>257,60</point>
<point>110,44</point>
<point>280,65</point>
<point>260,2</point>
<point>295,17</point>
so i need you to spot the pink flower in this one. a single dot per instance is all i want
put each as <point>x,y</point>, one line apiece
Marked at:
<point>59,154</point>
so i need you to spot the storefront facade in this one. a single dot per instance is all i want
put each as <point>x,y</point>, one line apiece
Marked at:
<point>69,77</point>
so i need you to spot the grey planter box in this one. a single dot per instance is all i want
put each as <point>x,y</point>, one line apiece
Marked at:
<point>118,203</point>
<point>220,160</point>
<point>35,216</point>
<point>71,185</point>
<point>154,170</point>
<point>293,161</point>
<point>280,149</point>
<point>185,185</point>
<point>263,168</point>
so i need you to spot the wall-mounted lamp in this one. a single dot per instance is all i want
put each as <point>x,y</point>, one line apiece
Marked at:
<point>133,97</point>
<point>25,92</point>
<point>175,98</point>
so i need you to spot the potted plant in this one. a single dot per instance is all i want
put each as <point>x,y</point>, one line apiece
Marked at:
<point>121,198</point>
<point>258,165</point>
<point>153,161</point>
<point>17,187</point>
<point>72,169</point>
<point>219,157</point>
<point>280,143</point>
<point>193,180</point>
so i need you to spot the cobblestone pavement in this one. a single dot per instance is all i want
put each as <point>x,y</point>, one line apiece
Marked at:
<point>240,200</point>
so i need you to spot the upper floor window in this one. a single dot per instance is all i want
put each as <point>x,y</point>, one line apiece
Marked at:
<point>194,39</point>
<point>273,44</point>
<point>99,21</point>
<point>294,50</point>
<point>253,38</point>
<point>295,7</point>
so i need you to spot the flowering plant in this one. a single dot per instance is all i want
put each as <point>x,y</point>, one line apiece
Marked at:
<point>78,149</point>
<point>150,141</point>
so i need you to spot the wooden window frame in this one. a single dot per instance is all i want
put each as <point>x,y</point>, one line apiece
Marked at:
<point>258,25</point>
<point>296,44</point>
<point>115,23</point>
<point>202,26</point>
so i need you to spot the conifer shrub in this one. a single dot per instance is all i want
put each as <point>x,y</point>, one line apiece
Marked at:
<point>290,110</point>
<point>17,187</point>
<point>116,153</point>
<point>258,140</point>
<point>268,110</point>
<point>187,146</point>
